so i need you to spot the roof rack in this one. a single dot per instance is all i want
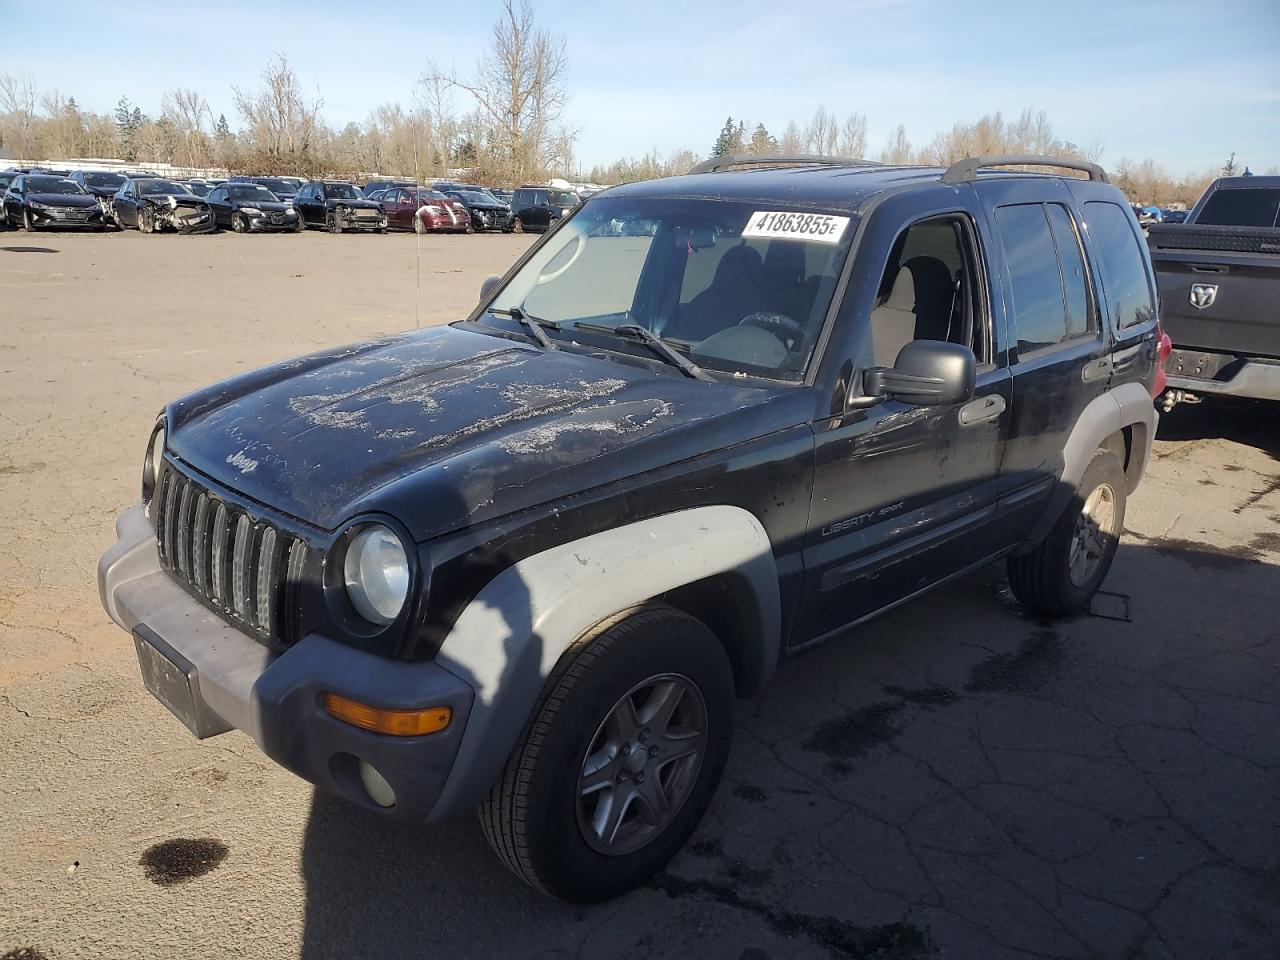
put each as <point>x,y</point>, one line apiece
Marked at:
<point>962,171</point>
<point>718,164</point>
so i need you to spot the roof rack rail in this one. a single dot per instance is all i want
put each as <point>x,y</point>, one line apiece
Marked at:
<point>962,171</point>
<point>717,164</point>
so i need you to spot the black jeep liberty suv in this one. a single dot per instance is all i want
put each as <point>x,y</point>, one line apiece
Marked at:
<point>525,562</point>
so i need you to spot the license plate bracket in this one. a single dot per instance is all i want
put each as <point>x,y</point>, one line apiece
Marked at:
<point>173,680</point>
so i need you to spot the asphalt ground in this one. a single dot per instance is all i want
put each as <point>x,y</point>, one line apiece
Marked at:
<point>955,779</point>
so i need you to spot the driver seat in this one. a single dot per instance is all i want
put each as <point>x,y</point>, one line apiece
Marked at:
<point>735,291</point>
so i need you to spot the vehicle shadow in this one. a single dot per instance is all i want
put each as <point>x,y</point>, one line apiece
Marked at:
<point>851,756</point>
<point>1252,423</point>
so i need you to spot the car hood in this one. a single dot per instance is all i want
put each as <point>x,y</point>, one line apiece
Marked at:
<point>63,199</point>
<point>355,204</point>
<point>445,428</point>
<point>163,198</point>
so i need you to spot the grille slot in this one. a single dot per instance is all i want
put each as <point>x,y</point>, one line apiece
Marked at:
<point>246,570</point>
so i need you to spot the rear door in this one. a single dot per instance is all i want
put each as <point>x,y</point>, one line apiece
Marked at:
<point>1056,342</point>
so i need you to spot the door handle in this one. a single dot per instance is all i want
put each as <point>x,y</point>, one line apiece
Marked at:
<point>1095,370</point>
<point>982,410</point>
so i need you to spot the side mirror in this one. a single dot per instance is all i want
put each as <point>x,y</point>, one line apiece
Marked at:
<point>927,372</point>
<point>487,286</point>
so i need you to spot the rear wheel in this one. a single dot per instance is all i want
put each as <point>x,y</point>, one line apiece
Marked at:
<point>619,759</point>
<point>1061,575</point>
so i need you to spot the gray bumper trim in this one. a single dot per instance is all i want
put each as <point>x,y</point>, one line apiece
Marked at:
<point>277,699</point>
<point>1255,379</point>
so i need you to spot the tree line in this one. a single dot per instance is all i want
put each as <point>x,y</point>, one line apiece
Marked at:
<point>503,121</point>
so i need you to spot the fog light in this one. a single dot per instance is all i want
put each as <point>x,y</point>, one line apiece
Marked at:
<point>398,723</point>
<point>379,790</point>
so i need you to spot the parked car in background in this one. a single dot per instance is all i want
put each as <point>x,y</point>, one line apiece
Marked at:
<point>487,211</point>
<point>424,210</point>
<point>527,562</point>
<point>374,186</point>
<point>6,178</point>
<point>35,201</point>
<point>200,188</point>
<point>1219,278</point>
<point>536,209</point>
<point>1173,216</point>
<point>100,183</point>
<point>252,208</point>
<point>337,206</point>
<point>1149,215</point>
<point>282,187</point>
<point>157,205</point>
<point>504,195</point>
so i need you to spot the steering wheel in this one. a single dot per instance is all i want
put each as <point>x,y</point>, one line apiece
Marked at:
<point>780,325</point>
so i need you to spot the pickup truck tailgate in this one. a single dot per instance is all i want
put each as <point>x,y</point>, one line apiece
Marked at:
<point>1239,268</point>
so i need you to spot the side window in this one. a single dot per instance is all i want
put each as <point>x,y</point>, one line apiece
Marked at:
<point>540,198</point>
<point>930,290</point>
<point>1075,282</point>
<point>1039,308</point>
<point>1122,265</point>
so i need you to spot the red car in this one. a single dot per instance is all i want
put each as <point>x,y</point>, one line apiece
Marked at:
<point>424,210</point>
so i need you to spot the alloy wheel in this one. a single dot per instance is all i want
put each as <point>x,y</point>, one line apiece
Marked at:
<point>1094,533</point>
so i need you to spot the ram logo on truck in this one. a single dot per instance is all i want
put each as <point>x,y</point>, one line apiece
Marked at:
<point>1203,295</point>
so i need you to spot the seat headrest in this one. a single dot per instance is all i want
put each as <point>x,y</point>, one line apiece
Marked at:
<point>902,295</point>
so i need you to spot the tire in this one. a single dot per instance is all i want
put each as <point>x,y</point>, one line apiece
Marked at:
<point>418,228</point>
<point>239,224</point>
<point>517,225</point>
<point>333,224</point>
<point>299,225</point>
<point>146,221</point>
<point>27,224</point>
<point>1064,571</point>
<point>537,817</point>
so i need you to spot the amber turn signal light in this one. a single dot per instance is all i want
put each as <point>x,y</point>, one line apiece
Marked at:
<point>397,723</point>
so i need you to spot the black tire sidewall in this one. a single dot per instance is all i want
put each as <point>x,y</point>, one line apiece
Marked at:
<point>566,865</point>
<point>1105,467</point>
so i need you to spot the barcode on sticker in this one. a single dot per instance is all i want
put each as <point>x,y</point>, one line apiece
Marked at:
<point>813,227</point>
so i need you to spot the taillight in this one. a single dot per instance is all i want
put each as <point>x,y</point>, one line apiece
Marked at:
<point>1164,347</point>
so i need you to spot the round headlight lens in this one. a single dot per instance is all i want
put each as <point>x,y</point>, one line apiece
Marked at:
<point>376,570</point>
<point>151,464</point>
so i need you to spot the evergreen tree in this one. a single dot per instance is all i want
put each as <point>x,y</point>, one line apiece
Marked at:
<point>730,139</point>
<point>123,115</point>
<point>1229,168</point>
<point>221,129</point>
<point>761,141</point>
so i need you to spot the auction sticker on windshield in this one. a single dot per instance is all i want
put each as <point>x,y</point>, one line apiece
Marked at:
<point>813,227</point>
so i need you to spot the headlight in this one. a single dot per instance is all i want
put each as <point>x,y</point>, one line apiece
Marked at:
<point>564,211</point>
<point>376,570</point>
<point>35,205</point>
<point>173,202</point>
<point>151,462</point>
<point>434,210</point>
<point>251,211</point>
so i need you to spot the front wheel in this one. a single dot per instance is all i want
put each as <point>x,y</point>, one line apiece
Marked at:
<point>418,226</point>
<point>1061,575</point>
<point>146,221</point>
<point>239,224</point>
<point>27,223</point>
<point>517,225</point>
<point>619,759</point>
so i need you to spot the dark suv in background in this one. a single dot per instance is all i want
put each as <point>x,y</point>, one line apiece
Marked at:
<point>337,205</point>
<point>536,209</point>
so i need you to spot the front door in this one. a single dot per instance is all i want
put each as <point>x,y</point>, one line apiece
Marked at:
<point>904,495</point>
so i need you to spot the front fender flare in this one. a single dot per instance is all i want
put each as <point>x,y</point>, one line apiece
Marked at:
<point>509,638</point>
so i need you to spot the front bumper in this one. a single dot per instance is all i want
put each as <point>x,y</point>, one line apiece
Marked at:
<point>267,223</point>
<point>1210,374</point>
<point>277,698</point>
<point>186,220</point>
<point>351,221</point>
<point>71,218</point>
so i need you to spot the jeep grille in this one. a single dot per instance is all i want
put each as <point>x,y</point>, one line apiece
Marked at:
<point>245,570</point>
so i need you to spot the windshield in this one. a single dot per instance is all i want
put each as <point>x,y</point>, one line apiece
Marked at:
<point>150,188</point>
<point>738,287</point>
<point>561,198</point>
<point>52,185</point>
<point>253,194</point>
<point>425,195</point>
<point>199,189</point>
<point>277,185</point>
<point>342,191</point>
<point>470,196</point>
<point>103,179</point>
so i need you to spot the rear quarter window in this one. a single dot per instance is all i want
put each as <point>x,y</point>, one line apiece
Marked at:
<point>1122,265</point>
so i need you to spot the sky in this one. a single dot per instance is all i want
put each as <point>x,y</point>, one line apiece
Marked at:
<point>1184,82</point>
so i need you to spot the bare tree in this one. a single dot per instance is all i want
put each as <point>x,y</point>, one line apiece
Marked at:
<point>189,113</point>
<point>898,149</point>
<point>792,142</point>
<point>821,134</point>
<point>853,137</point>
<point>519,92</point>
<point>281,123</point>
<point>18,101</point>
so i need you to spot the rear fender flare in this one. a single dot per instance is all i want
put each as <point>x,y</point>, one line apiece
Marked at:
<point>509,638</point>
<point>1128,405</point>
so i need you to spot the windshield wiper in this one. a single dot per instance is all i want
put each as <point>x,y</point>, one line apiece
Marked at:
<point>655,343</point>
<point>531,323</point>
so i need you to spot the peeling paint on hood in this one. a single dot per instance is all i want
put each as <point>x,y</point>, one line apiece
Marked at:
<point>446,427</point>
